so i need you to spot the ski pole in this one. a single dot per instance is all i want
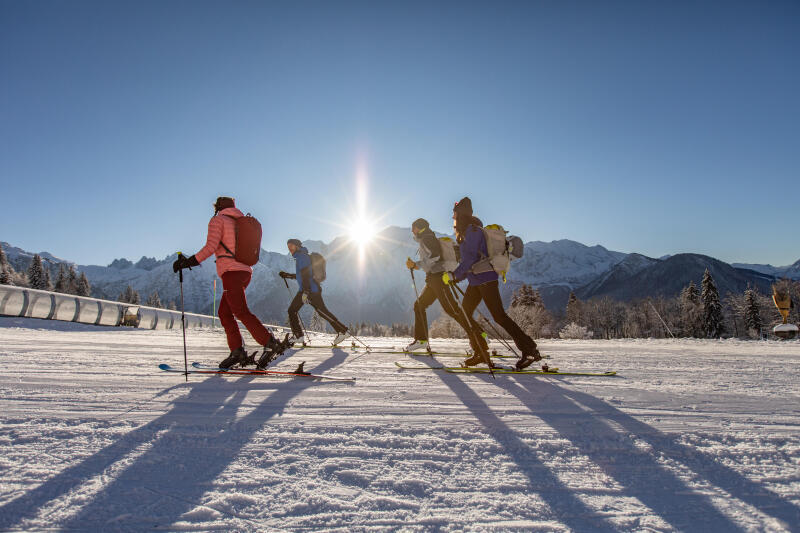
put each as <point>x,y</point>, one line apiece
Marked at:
<point>302,326</point>
<point>467,322</point>
<point>491,325</point>
<point>183,323</point>
<point>427,333</point>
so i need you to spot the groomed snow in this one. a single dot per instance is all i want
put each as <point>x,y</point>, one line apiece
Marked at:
<point>691,436</point>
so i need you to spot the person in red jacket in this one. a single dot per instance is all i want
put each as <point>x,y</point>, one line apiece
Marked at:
<point>235,278</point>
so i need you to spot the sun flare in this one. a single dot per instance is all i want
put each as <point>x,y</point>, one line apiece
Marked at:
<point>362,231</point>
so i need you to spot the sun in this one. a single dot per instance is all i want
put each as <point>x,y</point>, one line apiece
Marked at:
<point>362,231</point>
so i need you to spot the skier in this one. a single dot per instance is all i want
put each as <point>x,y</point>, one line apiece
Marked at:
<point>310,291</point>
<point>483,286</point>
<point>430,260</point>
<point>235,278</point>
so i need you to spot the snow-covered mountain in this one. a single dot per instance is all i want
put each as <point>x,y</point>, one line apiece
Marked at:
<point>375,286</point>
<point>791,271</point>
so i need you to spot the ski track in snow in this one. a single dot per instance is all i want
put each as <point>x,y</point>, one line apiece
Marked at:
<point>692,435</point>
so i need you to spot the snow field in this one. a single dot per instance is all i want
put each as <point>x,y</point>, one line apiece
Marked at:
<point>692,436</point>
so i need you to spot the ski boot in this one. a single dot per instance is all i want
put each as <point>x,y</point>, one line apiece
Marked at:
<point>340,337</point>
<point>476,359</point>
<point>237,357</point>
<point>418,345</point>
<point>527,359</point>
<point>272,350</point>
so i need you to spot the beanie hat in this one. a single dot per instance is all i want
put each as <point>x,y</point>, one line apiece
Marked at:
<point>223,202</point>
<point>296,242</point>
<point>420,224</point>
<point>463,207</point>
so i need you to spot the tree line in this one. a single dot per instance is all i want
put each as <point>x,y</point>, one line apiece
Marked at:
<point>47,277</point>
<point>698,312</point>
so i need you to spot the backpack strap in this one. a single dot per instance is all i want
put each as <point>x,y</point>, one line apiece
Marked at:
<point>232,256</point>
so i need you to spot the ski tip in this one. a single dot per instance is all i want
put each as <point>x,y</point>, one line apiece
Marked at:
<point>197,364</point>
<point>164,366</point>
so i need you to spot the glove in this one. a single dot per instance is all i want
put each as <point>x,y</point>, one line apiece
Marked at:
<point>411,265</point>
<point>448,278</point>
<point>283,274</point>
<point>305,297</point>
<point>184,262</point>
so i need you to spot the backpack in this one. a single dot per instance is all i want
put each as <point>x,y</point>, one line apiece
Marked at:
<point>247,231</point>
<point>501,251</point>
<point>448,258</point>
<point>317,267</point>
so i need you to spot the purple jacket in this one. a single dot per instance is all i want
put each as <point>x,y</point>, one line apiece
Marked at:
<point>473,249</point>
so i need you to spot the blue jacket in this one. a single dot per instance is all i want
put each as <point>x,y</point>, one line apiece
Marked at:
<point>302,265</point>
<point>473,249</point>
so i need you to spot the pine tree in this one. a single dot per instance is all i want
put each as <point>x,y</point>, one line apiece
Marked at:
<point>712,309</point>
<point>61,279</point>
<point>691,310</point>
<point>48,282</point>
<point>129,296</point>
<point>36,279</point>
<point>72,280</point>
<point>573,309</point>
<point>752,312</point>
<point>526,296</point>
<point>153,300</point>
<point>83,288</point>
<point>6,272</point>
<point>172,306</point>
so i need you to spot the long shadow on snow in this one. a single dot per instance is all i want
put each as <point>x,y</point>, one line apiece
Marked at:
<point>566,507</point>
<point>182,460</point>
<point>637,470</point>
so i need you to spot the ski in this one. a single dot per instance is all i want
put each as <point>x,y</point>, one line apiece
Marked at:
<point>299,371</point>
<point>501,370</point>
<point>251,372</point>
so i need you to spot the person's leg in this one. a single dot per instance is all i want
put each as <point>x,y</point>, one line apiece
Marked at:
<point>294,320</point>
<point>472,297</point>
<point>235,283</point>
<point>449,304</point>
<point>425,300</point>
<point>491,296</point>
<point>228,322</point>
<point>315,299</point>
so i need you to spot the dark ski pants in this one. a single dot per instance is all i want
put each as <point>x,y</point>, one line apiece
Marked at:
<point>233,305</point>
<point>315,299</point>
<point>435,289</point>
<point>490,295</point>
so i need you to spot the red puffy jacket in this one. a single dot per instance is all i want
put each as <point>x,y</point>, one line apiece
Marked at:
<point>222,229</point>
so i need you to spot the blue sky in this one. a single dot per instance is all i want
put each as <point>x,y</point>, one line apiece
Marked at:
<point>655,127</point>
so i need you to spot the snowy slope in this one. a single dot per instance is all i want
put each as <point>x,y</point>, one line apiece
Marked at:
<point>791,271</point>
<point>692,436</point>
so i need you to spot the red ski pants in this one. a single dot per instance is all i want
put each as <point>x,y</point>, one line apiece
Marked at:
<point>233,305</point>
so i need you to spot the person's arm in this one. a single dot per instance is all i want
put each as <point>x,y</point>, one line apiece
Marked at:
<point>469,255</point>
<point>212,241</point>
<point>303,275</point>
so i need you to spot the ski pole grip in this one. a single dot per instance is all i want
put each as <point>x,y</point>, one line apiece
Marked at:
<point>180,272</point>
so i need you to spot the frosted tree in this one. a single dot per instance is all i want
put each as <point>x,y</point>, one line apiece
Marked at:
<point>573,309</point>
<point>82,287</point>
<point>36,278</point>
<point>153,300</point>
<point>172,306</point>
<point>691,311</point>
<point>48,282</point>
<point>712,309</point>
<point>129,296</point>
<point>72,280</point>
<point>6,272</point>
<point>62,284</point>
<point>752,313</point>
<point>317,323</point>
<point>528,311</point>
